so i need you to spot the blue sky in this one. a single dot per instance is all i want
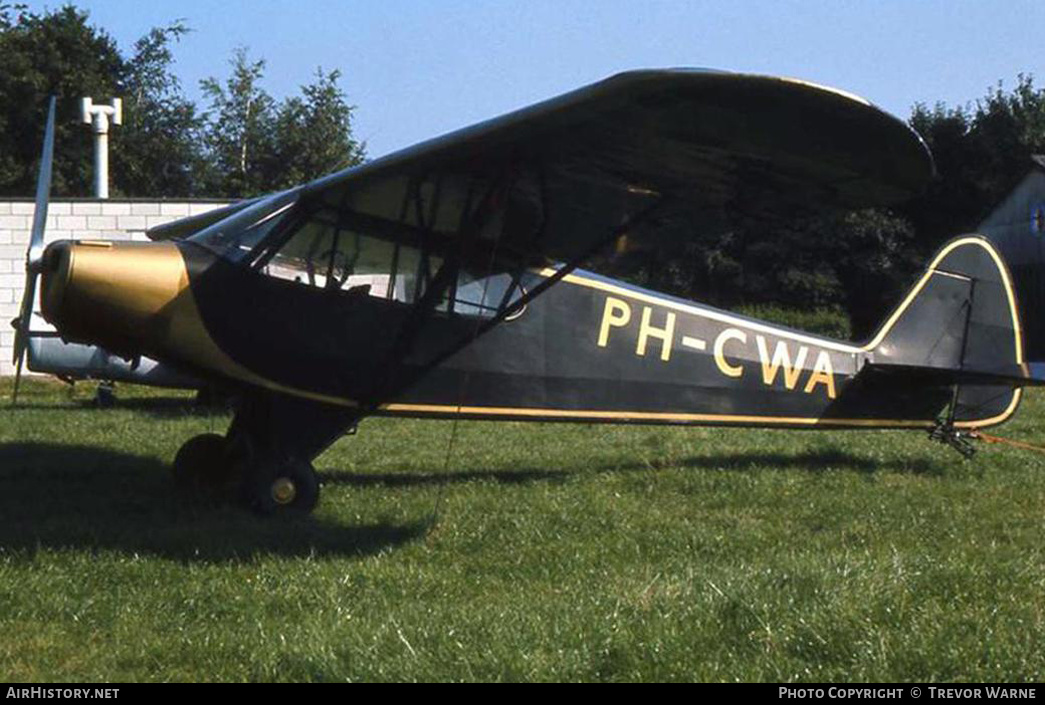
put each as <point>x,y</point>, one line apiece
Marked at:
<point>417,69</point>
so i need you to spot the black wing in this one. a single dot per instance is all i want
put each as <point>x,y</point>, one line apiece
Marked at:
<point>574,168</point>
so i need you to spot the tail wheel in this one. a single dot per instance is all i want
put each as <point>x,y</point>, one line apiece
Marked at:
<point>202,465</point>
<point>287,487</point>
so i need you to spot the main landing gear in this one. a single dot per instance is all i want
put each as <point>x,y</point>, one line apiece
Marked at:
<point>264,460</point>
<point>209,466</point>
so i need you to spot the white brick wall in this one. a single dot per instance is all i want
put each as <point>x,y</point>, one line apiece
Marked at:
<point>78,220</point>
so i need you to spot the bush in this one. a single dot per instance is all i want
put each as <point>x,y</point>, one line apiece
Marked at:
<point>829,322</point>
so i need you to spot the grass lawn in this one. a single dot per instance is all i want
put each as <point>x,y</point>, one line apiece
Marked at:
<point>538,552</point>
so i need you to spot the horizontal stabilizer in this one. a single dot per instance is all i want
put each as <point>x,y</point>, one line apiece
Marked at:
<point>1013,375</point>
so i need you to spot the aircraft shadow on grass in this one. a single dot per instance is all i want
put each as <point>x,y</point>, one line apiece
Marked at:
<point>814,461</point>
<point>81,497</point>
<point>822,460</point>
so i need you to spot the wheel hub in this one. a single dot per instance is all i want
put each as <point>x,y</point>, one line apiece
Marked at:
<point>284,491</point>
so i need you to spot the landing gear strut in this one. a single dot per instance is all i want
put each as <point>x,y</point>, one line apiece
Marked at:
<point>264,459</point>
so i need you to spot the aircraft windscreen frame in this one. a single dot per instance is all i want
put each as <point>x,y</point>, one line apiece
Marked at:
<point>236,237</point>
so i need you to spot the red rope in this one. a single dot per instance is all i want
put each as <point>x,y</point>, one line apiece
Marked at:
<point>987,438</point>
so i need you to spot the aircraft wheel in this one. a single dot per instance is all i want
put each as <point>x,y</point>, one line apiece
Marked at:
<point>202,464</point>
<point>289,487</point>
<point>105,395</point>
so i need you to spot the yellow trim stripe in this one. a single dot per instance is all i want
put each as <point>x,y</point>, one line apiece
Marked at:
<point>643,416</point>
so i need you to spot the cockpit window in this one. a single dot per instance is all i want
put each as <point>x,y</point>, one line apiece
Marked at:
<point>485,296</point>
<point>327,253</point>
<point>322,255</point>
<point>335,254</point>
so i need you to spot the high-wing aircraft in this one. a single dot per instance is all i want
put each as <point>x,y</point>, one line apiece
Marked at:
<point>442,281</point>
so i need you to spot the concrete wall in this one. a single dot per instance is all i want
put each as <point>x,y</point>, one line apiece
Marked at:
<point>78,219</point>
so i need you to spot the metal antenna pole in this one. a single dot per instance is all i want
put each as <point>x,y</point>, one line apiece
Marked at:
<point>98,116</point>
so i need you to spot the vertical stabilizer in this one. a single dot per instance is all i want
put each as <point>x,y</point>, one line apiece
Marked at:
<point>960,323</point>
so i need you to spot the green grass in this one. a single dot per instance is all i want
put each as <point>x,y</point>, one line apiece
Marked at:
<point>539,552</point>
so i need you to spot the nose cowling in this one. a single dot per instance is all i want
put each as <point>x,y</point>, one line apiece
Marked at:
<point>114,294</point>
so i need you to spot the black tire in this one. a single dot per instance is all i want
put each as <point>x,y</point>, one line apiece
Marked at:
<point>289,488</point>
<point>203,466</point>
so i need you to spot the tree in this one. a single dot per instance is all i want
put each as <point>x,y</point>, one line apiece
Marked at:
<point>257,145</point>
<point>873,259</point>
<point>56,53</point>
<point>240,140</point>
<point>245,144</point>
<point>314,133</point>
<point>980,153</point>
<point>154,153</point>
<point>1009,127</point>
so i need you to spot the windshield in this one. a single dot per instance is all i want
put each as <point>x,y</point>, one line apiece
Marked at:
<point>235,237</point>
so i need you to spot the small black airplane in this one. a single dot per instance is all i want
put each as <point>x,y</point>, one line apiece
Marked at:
<point>442,281</point>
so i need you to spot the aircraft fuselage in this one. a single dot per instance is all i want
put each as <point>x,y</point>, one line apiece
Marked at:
<point>588,349</point>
